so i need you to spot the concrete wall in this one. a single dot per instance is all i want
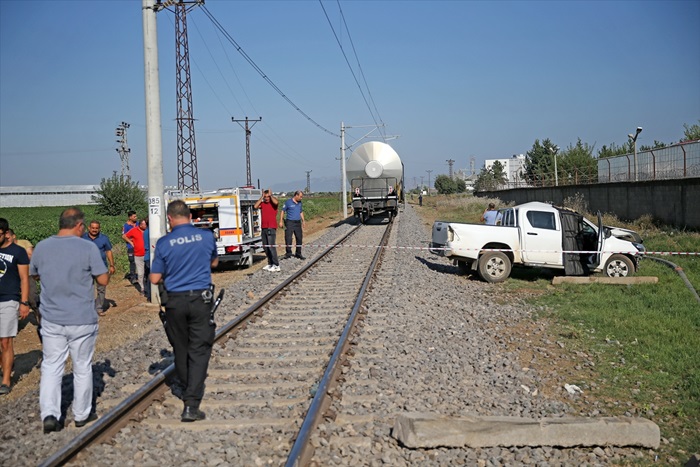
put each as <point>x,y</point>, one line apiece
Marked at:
<point>673,202</point>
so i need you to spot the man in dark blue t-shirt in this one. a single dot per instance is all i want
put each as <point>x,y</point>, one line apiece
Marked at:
<point>183,260</point>
<point>103,244</point>
<point>294,224</point>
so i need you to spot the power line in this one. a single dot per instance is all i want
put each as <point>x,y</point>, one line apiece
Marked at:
<point>348,62</point>
<point>261,73</point>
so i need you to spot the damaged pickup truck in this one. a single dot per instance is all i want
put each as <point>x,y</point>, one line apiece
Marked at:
<point>538,235</point>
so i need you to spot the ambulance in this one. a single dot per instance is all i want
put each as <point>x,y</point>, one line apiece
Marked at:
<point>230,214</point>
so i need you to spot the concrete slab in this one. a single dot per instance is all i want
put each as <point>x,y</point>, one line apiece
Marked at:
<point>604,280</point>
<point>417,430</point>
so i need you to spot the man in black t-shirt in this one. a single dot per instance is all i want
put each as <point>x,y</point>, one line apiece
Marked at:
<point>14,295</point>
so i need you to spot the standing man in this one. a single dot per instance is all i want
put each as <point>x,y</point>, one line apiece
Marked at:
<point>67,265</point>
<point>134,238</point>
<point>490,215</point>
<point>14,296</point>
<point>294,224</point>
<point>269,204</point>
<point>130,224</point>
<point>103,244</point>
<point>183,260</point>
<point>147,262</point>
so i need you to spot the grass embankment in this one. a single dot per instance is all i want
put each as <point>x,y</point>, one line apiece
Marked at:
<point>37,223</point>
<point>643,339</point>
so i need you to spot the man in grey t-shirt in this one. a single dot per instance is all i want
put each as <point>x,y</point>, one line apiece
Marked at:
<point>66,265</point>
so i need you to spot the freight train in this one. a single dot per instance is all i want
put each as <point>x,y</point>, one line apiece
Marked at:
<point>375,173</point>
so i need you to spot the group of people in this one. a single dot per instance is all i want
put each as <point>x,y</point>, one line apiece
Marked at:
<point>292,219</point>
<point>74,267</point>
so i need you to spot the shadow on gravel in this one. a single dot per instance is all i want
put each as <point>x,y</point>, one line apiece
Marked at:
<point>25,363</point>
<point>99,370</point>
<point>167,358</point>
<point>441,266</point>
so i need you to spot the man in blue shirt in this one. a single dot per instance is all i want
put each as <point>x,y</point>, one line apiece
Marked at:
<point>183,260</point>
<point>105,246</point>
<point>294,224</point>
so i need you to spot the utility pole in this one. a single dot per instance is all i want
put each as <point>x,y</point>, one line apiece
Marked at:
<point>249,180</point>
<point>123,149</point>
<point>421,183</point>
<point>428,181</point>
<point>308,181</point>
<point>154,137</point>
<point>472,165</point>
<point>187,177</point>
<point>450,162</point>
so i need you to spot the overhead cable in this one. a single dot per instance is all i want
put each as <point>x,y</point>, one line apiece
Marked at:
<point>348,62</point>
<point>261,73</point>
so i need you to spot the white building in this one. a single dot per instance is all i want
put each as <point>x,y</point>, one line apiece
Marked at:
<point>47,195</point>
<point>513,167</point>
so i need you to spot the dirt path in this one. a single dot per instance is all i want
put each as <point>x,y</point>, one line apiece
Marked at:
<point>128,318</point>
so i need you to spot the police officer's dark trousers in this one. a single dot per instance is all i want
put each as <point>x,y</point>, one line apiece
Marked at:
<point>292,228</point>
<point>192,338</point>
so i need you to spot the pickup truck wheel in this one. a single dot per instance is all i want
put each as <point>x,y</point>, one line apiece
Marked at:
<point>619,266</point>
<point>494,266</point>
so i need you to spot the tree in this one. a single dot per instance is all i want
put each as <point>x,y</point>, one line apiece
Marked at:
<point>577,164</point>
<point>615,150</point>
<point>490,179</point>
<point>657,145</point>
<point>539,163</point>
<point>445,185</point>
<point>461,185</point>
<point>691,133</point>
<point>118,195</point>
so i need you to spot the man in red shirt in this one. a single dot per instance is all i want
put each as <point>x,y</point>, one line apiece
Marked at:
<point>269,204</point>
<point>134,237</point>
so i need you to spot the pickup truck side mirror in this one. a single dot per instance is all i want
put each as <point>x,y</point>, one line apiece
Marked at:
<point>606,232</point>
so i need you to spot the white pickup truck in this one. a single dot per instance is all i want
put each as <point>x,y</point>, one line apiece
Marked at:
<point>538,235</point>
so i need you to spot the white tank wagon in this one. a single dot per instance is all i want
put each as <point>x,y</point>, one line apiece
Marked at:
<point>375,173</point>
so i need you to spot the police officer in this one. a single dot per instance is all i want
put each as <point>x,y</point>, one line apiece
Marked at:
<point>183,259</point>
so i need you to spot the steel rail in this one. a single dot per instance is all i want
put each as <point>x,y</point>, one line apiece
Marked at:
<point>113,421</point>
<point>300,452</point>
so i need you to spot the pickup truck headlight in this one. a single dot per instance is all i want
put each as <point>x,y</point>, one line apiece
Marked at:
<point>639,247</point>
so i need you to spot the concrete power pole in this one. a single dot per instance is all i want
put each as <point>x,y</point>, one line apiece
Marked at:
<point>123,149</point>
<point>249,179</point>
<point>472,165</point>
<point>154,139</point>
<point>450,163</point>
<point>308,181</point>
<point>429,171</point>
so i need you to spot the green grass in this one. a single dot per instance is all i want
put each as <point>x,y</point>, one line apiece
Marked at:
<point>644,339</point>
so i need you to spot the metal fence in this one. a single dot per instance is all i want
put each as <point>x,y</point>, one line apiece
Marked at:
<point>677,161</point>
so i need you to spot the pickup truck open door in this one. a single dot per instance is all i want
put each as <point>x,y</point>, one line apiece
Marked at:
<point>595,258</point>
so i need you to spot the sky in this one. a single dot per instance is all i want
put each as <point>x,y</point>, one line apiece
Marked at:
<point>450,80</point>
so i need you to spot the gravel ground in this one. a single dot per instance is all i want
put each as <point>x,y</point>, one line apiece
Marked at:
<point>432,341</point>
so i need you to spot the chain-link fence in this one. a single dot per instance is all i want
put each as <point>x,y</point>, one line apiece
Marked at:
<point>677,161</point>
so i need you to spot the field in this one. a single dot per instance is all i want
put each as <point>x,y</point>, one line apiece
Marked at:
<point>36,224</point>
<point>642,340</point>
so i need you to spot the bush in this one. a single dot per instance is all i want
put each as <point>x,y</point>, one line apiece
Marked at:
<point>118,195</point>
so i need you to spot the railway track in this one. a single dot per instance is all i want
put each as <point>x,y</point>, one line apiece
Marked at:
<point>271,370</point>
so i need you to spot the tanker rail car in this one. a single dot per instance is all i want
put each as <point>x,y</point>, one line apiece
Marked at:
<point>375,173</point>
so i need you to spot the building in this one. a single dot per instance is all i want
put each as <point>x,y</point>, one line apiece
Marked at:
<point>513,167</point>
<point>48,195</point>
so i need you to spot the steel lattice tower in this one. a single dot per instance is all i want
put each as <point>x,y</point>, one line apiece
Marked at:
<point>450,162</point>
<point>123,149</point>
<point>187,177</point>
<point>308,181</point>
